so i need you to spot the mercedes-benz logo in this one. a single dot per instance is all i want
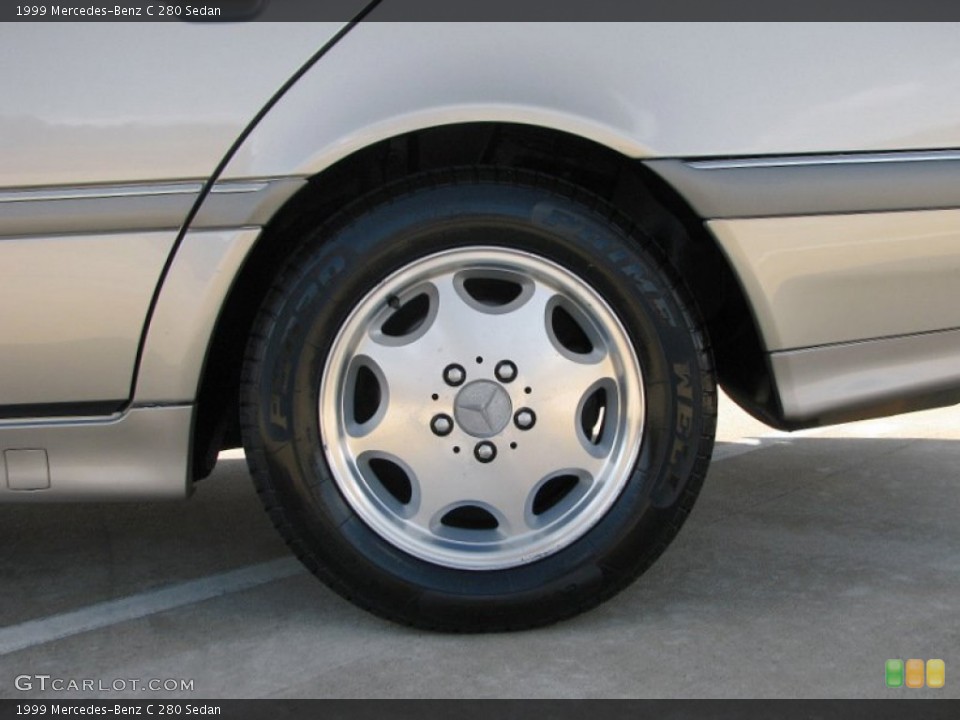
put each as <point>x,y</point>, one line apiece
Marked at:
<point>482,408</point>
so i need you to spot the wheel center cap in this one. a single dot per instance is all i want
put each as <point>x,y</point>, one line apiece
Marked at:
<point>482,408</point>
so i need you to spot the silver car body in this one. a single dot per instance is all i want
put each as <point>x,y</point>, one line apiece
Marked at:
<point>141,162</point>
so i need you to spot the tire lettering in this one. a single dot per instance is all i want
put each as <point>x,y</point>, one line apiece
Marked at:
<point>684,411</point>
<point>276,413</point>
<point>684,389</point>
<point>638,274</point>
<point>331,269</point>
<point>277,416</point>
<point>568,224</point>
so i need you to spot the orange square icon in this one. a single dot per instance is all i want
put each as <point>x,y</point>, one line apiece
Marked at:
<point>914,673</point>
<point>936,673</point>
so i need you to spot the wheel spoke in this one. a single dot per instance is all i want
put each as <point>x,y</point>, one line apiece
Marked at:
<point>508,492</point>
<point>441,488</point>
<point>523,330</point>
<point>401,367</point>
<point>554,445</point>
<point>463,330</point>
<point>404,433</point>
<point>560,385</point>
<point>559,376</point>
<point>557,395</point>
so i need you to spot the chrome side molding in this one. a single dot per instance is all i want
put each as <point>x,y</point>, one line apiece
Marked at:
<point>815,184</point>
<point>808,160</point>
<point>138,207</point>
<point>102,192</point>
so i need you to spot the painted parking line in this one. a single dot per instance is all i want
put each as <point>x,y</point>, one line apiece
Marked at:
<point>132,607</point>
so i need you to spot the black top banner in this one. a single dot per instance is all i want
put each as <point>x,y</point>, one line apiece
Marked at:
<point>478,10</point>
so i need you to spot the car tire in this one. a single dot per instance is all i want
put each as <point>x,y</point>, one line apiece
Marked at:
<point>478,400</point>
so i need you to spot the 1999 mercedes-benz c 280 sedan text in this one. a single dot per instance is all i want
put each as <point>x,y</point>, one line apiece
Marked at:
<point>464,292</point>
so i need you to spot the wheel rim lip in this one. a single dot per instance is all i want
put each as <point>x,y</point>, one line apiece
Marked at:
<point>487,555</point>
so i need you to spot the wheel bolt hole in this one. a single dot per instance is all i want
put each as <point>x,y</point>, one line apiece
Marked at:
<point>435,396</point>
<point>528,390</point>
<point>485,451</point>
<point>524,418</point>
<point>442,425</point>
<point>505,371</point>
<point>454,375</point>
<point>456,449</point>
<point>513,446</point>
<point>479,360</point>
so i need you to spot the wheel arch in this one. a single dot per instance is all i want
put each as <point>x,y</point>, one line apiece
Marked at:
<point>625,182</point>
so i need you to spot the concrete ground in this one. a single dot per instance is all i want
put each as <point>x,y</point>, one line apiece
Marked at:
<point>809,560</point>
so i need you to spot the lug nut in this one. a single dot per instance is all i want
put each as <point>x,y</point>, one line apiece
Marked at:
<point>505,371</point>
<point>485,451</point>
<point>442,425</point>
<point>525,418</point>
<point>454,375</point>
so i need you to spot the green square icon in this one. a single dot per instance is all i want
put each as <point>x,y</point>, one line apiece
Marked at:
<point>894,673</point>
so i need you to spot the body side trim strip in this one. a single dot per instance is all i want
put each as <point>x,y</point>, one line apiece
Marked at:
<point>822,185</point>
<point>61,410</point>
<point>844,159</point>
<point>136,208</point>
<point>99,192</point>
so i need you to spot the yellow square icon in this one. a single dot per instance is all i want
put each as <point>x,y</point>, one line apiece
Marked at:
<point>936,673</point>
<point>914,673</point>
